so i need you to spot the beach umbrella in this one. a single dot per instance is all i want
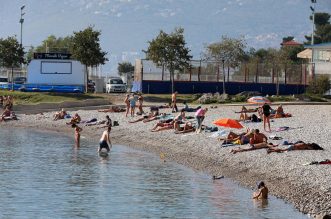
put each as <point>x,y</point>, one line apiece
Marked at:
<point>230,123</point>
<point>258,100</point>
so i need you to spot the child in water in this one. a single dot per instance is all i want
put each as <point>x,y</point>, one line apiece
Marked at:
<point>262,192</point>
<point>77,134</point>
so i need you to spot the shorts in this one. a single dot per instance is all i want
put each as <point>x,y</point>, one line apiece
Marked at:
<point>103,144</point>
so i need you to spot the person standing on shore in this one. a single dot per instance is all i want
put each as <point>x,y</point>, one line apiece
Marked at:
<point>262,192</point>
<point>127,104</point>
<point>266,116</point>
<point>77,134</point>
<point>140,103</point>
<point>105,140</point>
<point>200,116</point>
<point>132,101</point>
<point>174,102</point>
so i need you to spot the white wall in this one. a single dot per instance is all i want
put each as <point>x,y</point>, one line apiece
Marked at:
<point>57,72</point>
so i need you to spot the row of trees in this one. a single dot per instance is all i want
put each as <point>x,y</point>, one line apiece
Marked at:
<point>83,45</point>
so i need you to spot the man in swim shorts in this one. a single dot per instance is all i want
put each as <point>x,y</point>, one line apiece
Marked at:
<point>105,140</point>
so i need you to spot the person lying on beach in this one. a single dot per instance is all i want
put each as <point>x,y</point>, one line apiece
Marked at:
<point>254,147</point>
<point>190,109</point>
<point>59,115</point>
<point>262,192</point>
<point>151,116</point>
<point>160,126</point>
<point>74,120</point>
<point>113,109</point>
<point>297,146</point>
<point>243,137</point>
<point>187,127</point>
<point>179,119</point>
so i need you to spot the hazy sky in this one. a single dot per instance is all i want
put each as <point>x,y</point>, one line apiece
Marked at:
<point>127,25</point>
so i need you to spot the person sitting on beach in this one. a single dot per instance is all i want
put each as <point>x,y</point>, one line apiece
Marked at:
<point>258,137</point>
<point>105,140</point>
<point>75,119</point>
<point>5,115</point>
<point>113,109</point>
<point>8,102</point>
<point>297,146</point>
<point>243,114</point>
<point>254,147</point>
<point>160,126</point>
<point>262,192</point>
<point>179,119</point>
<point>60,115</point>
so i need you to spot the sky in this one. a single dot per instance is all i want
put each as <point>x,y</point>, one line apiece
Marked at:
<point>127,25</point>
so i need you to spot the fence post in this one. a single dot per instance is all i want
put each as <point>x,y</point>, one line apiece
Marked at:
<point>162,72</point>
<point>218,72</point>
<point>245,72</point>
<point>273,73</point>
<point>199,70</point>
<point>257,72</point>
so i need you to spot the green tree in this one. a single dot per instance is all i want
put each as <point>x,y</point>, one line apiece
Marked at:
<point>125,68</point>
<point>52,44</point>
<point>169,50</point>
<point>228,51</point>
<point>288,39</point>
<point>11,54</point>
<point>319,85</point>
<point>86,48</point>
<point>322,32</point>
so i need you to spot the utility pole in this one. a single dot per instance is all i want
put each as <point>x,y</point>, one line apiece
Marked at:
<point>313,18</point>
<point>21,22</point>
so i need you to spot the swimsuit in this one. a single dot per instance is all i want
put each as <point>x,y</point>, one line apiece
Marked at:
<point>103,144</point>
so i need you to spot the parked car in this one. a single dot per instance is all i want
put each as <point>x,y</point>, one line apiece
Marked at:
<point>90,86</point>
<point>115,85</point>
<point>3,80</point>
<point>19,80</point>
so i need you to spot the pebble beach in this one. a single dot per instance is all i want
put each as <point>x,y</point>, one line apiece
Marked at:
<point>308,187</point>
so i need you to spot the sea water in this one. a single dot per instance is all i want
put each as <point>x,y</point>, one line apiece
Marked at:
<point>43,176</point>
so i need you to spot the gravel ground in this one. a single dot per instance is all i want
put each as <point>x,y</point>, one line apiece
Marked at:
<point>307,187</point>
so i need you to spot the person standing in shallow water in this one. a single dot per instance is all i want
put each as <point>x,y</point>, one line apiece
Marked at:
<point>77,134</point>
<point>105,140</point>
<point>266,116</point>
<point>262,192</point>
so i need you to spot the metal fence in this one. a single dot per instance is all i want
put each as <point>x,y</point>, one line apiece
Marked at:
<point>205,71</point>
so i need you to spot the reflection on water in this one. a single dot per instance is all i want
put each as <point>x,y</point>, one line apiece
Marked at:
<point>43,176</point>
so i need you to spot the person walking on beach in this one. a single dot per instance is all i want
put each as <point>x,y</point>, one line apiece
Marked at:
<point>200,116</point>
<point>77,134</point>
<point>105,140</point>
<point>266,116</point>
<point>127,104</point>
<point>262,192</point>
<point>173,102</point>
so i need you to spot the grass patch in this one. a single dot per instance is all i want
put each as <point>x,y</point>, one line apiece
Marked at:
<point>45,97</point>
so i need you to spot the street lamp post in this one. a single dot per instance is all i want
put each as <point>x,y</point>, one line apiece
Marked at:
<point>21,22</point>
<point>313,18</point>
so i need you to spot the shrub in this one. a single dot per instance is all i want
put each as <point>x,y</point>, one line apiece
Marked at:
<point>319,85</point>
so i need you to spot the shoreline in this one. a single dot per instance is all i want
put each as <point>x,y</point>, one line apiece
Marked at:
<point>306,187</point>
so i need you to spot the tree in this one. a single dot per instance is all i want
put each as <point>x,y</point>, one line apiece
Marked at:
<point>125,68</point>
<point>169,50</point>
<point>228,51</point>
<point>11,54</point>
<point>319,85</point>
<point>322,32</point>
<point>86,48</point>
<point>288,39</point>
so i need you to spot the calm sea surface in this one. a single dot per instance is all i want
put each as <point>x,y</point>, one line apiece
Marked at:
<point>43,176</point>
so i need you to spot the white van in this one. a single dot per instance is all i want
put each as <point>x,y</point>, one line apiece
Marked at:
<point>115,85</point>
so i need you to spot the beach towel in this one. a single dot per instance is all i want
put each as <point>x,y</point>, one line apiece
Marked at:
<point>274,137</point>
<point>326,161</point>
<point>220,134</point>
<point>282,128</point>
